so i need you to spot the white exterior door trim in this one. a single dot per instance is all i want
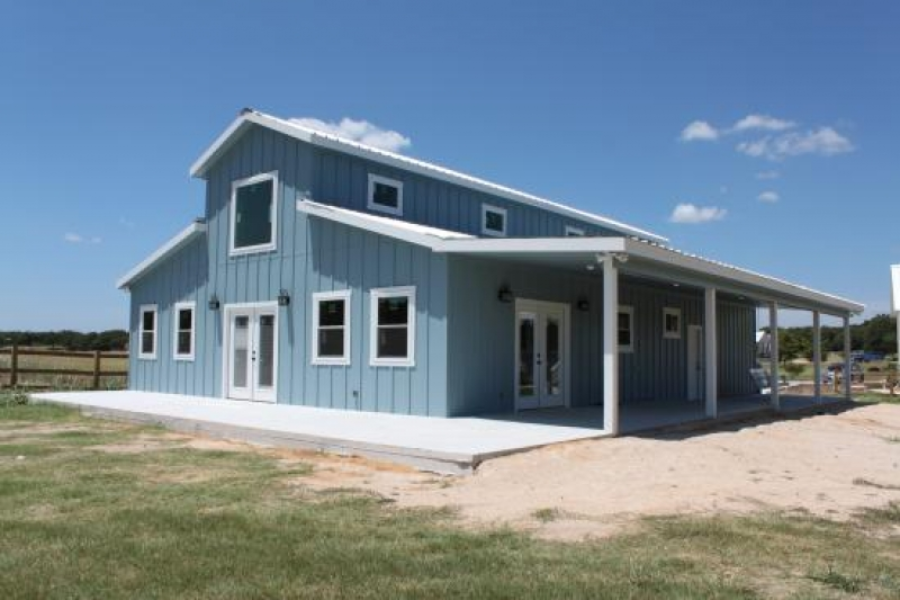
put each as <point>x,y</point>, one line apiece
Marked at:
<point>540,309</point>
<point>253,310</point>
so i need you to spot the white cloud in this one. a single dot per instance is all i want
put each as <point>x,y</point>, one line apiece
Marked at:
<point>359,131</point>
<point>823,141</point>
<point>692,214</point>
<point>769,196</point>
<point>762,122</point>
<point>699,130</point>
<point>768,175</point>
<point>75,238</point>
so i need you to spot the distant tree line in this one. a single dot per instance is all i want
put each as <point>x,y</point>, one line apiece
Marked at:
<point>878,334</point>
<point>114,339</point>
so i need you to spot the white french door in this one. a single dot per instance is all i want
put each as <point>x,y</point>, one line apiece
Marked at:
<point>251,342</point>
<point>542,354</point>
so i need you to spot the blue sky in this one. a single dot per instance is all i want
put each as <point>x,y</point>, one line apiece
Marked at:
<point>106,104</point>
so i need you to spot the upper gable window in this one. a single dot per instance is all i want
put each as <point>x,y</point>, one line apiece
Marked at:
<point>254,211</point>
<point>574,231</point>
<point>385,195</point>
<point>493,220</point>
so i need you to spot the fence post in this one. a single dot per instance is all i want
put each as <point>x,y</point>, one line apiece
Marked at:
<point>14,366</point>
<point>96,369</point>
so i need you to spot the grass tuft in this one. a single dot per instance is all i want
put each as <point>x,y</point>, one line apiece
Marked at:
<point>839,581</point>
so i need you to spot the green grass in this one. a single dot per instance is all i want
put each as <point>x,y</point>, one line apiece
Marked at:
<point>81,521</point>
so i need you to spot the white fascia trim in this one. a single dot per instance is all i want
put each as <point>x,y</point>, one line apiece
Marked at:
<point>161,253</point>
<point>405,163</point>
<point>317,298</point>
<point>572,245</point>
<point>176,314</point>
<point>738,275</point>
<point>375,295</point>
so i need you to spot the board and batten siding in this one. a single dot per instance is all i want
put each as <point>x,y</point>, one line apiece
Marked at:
<point>482,336</point>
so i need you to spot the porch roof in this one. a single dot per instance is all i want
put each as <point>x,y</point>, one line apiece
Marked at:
<point>634,256</point>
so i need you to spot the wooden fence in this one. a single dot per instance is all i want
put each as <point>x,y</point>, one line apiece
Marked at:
<point>95,373</point>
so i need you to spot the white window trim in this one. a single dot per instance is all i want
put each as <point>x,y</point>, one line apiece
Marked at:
<point>145,308</point>
<point>572,231</point>
<point>630,311</point>
<point>177,308</point>
<point>485,209</point>
<point>372,205</point>
<point>317,298</point>
<point>375,295</point>
<point>235,185</point>
<point>675,312</point>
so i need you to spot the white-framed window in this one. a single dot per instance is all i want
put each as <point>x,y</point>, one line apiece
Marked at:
<point>626,329</point>
<point>493,220</point>
<point>184,318</point>
<point>147,330</point>
<point>672,323</point>
<point>572,231</point>
<point>385,195</point>
<point>331,328</point>
<point>392,319</point>
<point>254,214</point>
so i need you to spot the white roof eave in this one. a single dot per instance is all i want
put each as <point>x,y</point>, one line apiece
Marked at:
<point>161,253</point>
<point>324,140</point>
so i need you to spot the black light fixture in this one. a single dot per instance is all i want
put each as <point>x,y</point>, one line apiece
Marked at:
<point>583,304</point>
<point>504,294</point>
<point>214,302</point>
<point>284,299</point>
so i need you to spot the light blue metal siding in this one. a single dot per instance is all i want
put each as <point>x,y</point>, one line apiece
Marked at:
<point>182,278</point>
<point>343,181</point>
<point>482,334</point>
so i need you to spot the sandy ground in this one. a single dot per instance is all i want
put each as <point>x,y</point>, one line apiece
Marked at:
<point>828,465</point>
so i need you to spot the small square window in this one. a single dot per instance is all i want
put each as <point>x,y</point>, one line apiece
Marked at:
<point>253,214</point>
<point>147,341</point>
<point>331,328</point>
<point>626,329</point>
<point>393,330</point>
<point>574,231</point>
<point>385,195</point>
<point>672,323</point>
<point>184,331</point>
<point>493,220</point>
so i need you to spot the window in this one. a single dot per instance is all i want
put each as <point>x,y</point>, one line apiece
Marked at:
<point>626,329</point>
<point>147,340</point>
<point>493,220</point>
<point>672,323</point>
<point>574,231</point>
<point>184,331</point>
<point>254,211</point>
<point>331,328</point>
<point>385,195</point>
<point>393,326</point>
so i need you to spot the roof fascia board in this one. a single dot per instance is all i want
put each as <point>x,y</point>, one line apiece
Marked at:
<point>202,164</point>
<point>161,253</point>
<point>562,245</point>
<point>805,296</point>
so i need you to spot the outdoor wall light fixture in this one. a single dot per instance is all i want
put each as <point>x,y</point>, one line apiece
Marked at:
<point>583,304</point>
<point>214,302</point>
<point>505,294</point>
<point>284,299</point>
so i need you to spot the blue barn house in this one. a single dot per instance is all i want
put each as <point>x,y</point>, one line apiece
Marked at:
<point>332,274</point>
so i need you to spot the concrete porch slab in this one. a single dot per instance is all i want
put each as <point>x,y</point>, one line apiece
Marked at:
<point>456,445</point>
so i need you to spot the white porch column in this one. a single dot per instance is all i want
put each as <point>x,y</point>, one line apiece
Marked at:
<point>610,346</point>
<point>817,355</point>
<point>711,353</point>
<point>848,362</point>
<point>776,358</point>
